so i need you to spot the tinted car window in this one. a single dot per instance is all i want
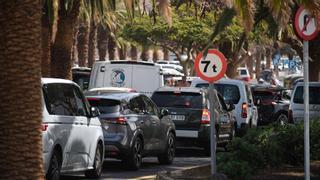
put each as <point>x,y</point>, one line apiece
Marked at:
<point>229,92</point>
<point>243,72</point>
<point>263,95</point>
<point>181,99</point>
<point>150,107</point>
<point>137,105</point>
<point>60,99</point>
<point>105,106</point>
<point>314,97</point>
<point>81,108</point>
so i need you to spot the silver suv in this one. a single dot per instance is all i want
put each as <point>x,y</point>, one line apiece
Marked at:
<point>71,132</point>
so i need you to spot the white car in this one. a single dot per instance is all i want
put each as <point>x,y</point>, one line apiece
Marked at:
<point>169,62</point>
<point>239,93</point>
<point>243,74</point>
<point>296,108</point>
<point>71,131</point>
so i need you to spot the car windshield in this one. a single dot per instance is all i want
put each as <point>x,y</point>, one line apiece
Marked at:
<point>229,92</point>
<point>180,99</point>
<point>105,106</point>
<point>314,97</point>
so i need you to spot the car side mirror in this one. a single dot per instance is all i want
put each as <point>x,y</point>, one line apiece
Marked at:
<point>164,112</point>
<point>94,112</point>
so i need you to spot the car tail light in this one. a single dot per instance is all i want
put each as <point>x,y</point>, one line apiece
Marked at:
<point>205,118</point>
<point>118,120</point>
<point>44,127</point>
<point>246,79</point>
<point>244,112</point>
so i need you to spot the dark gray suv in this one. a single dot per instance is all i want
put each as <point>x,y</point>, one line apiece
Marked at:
<point>135,127</point>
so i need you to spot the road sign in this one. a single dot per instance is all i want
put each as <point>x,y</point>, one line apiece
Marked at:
<point>305,24</point>
<point>212,67</point>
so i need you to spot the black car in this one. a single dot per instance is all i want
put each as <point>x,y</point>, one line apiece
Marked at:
<point>134,127</point>
<point>272,103</point>
<point>189,109</point>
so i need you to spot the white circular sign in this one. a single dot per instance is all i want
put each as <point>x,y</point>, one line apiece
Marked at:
<point>306,25</point>
<point>212,67</point>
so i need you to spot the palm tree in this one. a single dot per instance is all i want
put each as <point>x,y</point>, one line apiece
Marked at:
<point>82,43</point>
<point>20,90</point>
<point>61,61</point>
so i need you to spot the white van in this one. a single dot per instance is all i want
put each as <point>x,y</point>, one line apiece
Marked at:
<point>239,93</point>
<point>296,109</point>
<point>144,77</point>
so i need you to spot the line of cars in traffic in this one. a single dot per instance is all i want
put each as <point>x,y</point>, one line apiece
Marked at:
<point>128,114</point>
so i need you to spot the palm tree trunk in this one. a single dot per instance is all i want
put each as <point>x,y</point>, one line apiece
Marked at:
<point>155,55</point>
<point>134,52</point>
<point>165,54</point>
<point>74,52</point>
<point>20,90</point>
<point>102,39</point>
<point>46,36</point>
<point>258,62</point>
<point>82,45</point>
<point>145,54</point>
<point>123,52</point>
<point>61,61</point>
<point>232,70</point>
<point>92,42</point>
<point>111,47</point>
<point>269,58</point>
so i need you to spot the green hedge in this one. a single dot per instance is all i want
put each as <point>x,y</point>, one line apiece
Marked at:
<point>270,146</point>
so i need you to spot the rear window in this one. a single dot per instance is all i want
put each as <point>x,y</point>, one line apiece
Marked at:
<point>105,106</point>
<point>243,72</point>
<point>314,97</point>
<point>171,99</point>
<point>263,95</point>
<point>229,92</point>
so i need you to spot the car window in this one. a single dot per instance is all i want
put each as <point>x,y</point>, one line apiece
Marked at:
<point>137,105</point>
<point>80,105</point>
<point>314,97</point>
<point>223,104</point>
<point>178,99</point>
<point>243,72</point>
<point>60,99</point>
<point>228,91</point>
<point>105,106</point>
<point>150,107</point>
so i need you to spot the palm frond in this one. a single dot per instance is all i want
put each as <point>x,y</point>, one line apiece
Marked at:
<point>312,5</point>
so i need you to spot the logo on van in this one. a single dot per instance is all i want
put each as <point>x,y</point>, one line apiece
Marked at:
<point>117,78</point>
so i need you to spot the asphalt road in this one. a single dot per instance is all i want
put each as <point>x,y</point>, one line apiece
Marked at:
<point>113,169</point>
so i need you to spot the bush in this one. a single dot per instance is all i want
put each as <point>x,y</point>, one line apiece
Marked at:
<point>270,146</point>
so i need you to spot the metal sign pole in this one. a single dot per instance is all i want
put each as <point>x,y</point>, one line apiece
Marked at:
<point>212,130</point>
<point>306,110</point>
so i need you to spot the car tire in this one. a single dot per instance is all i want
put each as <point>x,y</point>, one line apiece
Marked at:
<point>169,154</point>
<point>97,165</point>
<point>134,159</point>
<point>282,119</point>
<point>55,166</point>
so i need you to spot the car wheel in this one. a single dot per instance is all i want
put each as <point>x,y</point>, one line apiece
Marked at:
<point>282,119</point>
<point>97,165</point>
<point>54,167</point>
<point>134,160</point>
<point>168,156</point>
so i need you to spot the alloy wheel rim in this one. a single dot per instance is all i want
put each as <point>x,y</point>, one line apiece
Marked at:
<point>98,160</point>
<point>137,152</point>
<point>282,119</point>
<point>55,168</point>
<point>171,149</point>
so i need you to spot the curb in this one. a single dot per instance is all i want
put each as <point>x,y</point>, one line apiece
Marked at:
<point>202,172</point>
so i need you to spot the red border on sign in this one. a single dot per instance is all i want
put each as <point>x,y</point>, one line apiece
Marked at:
<point>223,61</point>
<point>296,25</point>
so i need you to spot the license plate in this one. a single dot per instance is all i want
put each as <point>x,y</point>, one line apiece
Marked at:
<point>177,117</point>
